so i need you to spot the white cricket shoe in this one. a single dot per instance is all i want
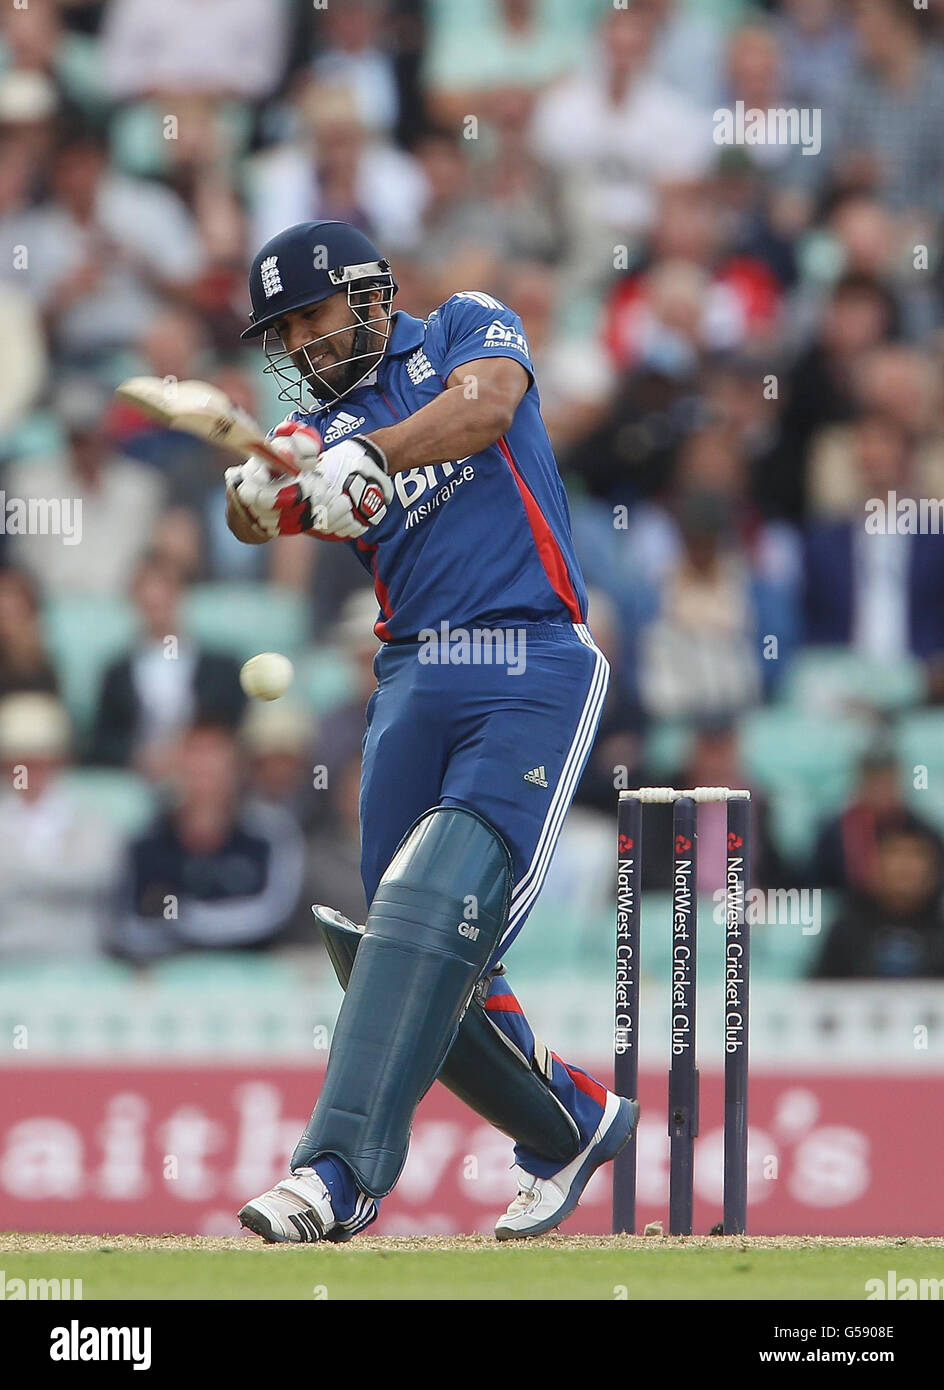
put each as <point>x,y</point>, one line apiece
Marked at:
<point>543,1203</point>
<point>296,1210</point>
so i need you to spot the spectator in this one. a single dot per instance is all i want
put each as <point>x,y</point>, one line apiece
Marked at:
<point>755,76</point>
<point>219,46</point>
<point>700,655</point>
<point>894,928</point>
<point>614,133</point>
<point>900,387</point>
<point>519,193</point>
<point>58,864</point>
<point>713,761</point>
<point>335,169</point>
<point>108,504</point>
<point>631,451</point>
<point>847,846</point>
<point>165,683</point>
<point>889,122</point>
<point>687,49</point>
<point>497,43</point>
<point>820,387</point>
<point>458,238</point>
<point>869,581</point>
<point>741,297</point>
<point>102,252</point>
<point>862,236</point>
<point>174,346</point>
<point>29,104</point>
<point>353,54</point>
<point>24,661</point>
<point>333,855</point>
<point>574,374</point>
<point>216,871</point>
<point>713,466</point>
<point>33,40</point>
<point>817,49</point>
<point>278,736</point>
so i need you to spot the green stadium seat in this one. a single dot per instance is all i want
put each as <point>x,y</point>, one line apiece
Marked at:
<point>928,803</point>
<point>34,975</point>
<point>207,970</point>
<point>123,799</point>
<point>797,814</point>
<point>325,678</point>
<point>831,677</point>
<point>84,634</point>
<point>919,742</point>
<point>919,739</point>
<point>244,619</point>
<point>782,746</point>
<point>783,951</point>
<point>668,744</point>
<point>38,437</point>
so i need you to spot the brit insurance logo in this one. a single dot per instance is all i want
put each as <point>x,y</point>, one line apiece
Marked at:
<point>499,334</point>
<point>271,279</point>
<point>434,484</point>
<point>342,424</point>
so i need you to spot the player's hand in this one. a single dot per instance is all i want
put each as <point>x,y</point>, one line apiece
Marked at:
<point>242,484</point>
<point>357,469</point>
<point>248,489</point>
<point>345,492</point>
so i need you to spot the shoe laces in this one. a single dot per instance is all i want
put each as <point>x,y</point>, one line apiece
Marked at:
<point>527,1191</point>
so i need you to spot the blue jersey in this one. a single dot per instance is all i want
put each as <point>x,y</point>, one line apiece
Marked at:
<point>480,541</point>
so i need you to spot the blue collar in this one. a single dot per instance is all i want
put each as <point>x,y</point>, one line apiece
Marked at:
<point>406,334</point>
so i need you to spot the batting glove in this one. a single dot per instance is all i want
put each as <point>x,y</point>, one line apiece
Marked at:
<point>245,481</point>
<point>357,469</point>
<point>346,491</point>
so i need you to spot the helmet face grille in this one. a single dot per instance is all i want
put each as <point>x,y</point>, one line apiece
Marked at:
<point>296,371</point>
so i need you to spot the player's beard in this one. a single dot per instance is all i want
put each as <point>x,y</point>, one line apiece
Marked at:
<point>334,377</point>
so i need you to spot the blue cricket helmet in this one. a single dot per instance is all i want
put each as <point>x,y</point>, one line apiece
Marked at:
<point>300,267</point>
<point>307,263</point>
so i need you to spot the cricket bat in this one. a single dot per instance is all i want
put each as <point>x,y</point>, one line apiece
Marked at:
<point>203,410</point>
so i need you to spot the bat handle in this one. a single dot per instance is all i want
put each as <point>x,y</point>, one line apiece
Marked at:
<point>276,461</point>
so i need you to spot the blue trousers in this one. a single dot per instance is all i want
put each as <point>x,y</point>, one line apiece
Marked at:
<point>509,741</point>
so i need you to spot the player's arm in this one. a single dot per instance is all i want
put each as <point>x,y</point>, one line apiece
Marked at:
<point>476,408</point>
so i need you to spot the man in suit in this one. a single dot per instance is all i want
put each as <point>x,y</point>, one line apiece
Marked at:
<point>164,683</point>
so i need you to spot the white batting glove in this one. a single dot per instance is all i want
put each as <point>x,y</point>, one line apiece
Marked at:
<point>357,469</point>
<point>257,486</point>
<point>244,481</point>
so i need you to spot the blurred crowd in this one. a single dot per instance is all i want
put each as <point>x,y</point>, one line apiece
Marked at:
<point>737,346</point>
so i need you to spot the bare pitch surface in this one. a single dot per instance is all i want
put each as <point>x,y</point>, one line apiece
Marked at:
<point>473,1267</point>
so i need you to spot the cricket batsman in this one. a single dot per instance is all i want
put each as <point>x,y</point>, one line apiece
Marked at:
<point>422,446</point>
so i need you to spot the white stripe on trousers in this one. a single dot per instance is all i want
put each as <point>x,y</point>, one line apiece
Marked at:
<point>529,886</point>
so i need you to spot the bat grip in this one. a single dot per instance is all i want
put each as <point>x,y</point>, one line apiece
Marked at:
<point>275,460</point>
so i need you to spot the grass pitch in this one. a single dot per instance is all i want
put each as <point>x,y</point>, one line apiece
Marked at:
<point>472,1267</point>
